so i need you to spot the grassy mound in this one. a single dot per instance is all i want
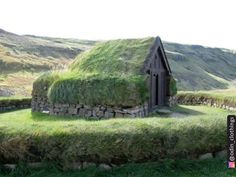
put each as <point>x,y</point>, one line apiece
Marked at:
<point>35,137</point>
<point>108,74</point>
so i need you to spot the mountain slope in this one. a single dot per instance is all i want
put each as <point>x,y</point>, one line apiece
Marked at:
<point>201,68</point>
<point>24,57</point>
<point>33,53</point>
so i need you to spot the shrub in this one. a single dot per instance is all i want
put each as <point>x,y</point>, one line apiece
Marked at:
<point>172,86</point>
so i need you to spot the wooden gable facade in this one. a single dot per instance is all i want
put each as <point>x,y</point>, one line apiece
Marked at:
<point>159,72</point>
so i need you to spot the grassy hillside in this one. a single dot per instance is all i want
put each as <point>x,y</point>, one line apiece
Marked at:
<point>201,68</point>
<point>23,58</point>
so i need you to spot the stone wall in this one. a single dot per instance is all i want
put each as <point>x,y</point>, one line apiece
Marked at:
<point>97,111</point>
<point>41,104</point>
<point>12,104</point>
<point>213,102</point>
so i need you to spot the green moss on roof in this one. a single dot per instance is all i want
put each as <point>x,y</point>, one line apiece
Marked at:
<point>118,57</point>
<point>108,74</point>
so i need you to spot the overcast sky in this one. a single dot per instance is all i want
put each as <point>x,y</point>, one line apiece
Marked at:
<point>206,22</point>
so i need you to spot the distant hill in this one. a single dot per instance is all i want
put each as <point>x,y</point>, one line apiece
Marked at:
<point>25,57</point>
<point>33,53</point>
<point>201,68</point>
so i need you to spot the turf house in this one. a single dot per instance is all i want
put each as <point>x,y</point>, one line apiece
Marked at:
<point>116,78</point>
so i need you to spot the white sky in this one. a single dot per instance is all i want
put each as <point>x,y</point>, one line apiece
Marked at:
<point>206,22</point>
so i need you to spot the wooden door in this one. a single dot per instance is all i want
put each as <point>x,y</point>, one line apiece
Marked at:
<point>162,88</point>
<point>156,90</point>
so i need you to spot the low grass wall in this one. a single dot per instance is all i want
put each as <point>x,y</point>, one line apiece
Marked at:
<point>7,104</point>
<point>210,99</point>
<point>114,141</point>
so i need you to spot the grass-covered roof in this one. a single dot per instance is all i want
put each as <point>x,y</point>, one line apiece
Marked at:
<point>108,74</point>
<point>124,56</point>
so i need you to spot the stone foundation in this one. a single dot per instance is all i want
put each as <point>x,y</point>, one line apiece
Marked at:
<point>97,111</point>
<point>172,101</point>
<point>40,104</point>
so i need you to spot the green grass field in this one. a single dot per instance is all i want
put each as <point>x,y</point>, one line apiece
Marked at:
<point>23,121</point>
<point>197,128</point>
